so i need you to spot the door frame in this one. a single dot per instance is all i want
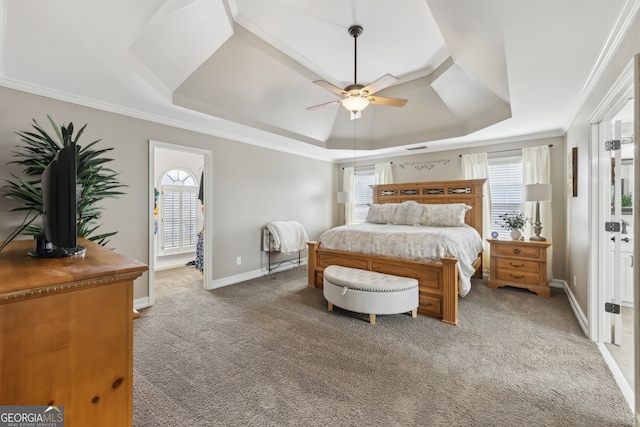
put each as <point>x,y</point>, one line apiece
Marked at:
<point>208,211</point>
<point>616,98</point>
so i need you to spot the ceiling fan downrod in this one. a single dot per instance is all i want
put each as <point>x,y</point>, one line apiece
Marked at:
<point>355,31</point>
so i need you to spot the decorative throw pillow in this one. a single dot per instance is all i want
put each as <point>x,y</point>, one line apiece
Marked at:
<point>408,213</point>
<point>382,214</point>
<point>451,215</point>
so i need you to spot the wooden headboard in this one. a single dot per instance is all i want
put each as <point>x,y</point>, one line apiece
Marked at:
<point>467,191</point>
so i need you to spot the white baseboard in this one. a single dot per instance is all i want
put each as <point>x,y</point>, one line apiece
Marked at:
<point>168,266</point>
<point>556,283</point>
<point>140,303</point>
<point>625,388</point>
<point>580,317</point>
<point>230,280</point>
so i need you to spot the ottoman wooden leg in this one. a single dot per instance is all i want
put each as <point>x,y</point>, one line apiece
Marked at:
<point>330,306</point>
<point>414,313</point>
<point>372,319</point>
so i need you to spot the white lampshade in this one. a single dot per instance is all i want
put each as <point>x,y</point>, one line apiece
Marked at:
<point>537,193</point>
<point>355,103</point>
<point>345,197</point>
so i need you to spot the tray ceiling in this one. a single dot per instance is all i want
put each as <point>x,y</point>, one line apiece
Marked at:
<point>473,71</point>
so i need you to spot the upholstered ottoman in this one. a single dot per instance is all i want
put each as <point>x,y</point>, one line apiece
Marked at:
<point>369,292</point>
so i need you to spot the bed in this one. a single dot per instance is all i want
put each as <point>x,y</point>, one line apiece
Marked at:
<point>439,279</point>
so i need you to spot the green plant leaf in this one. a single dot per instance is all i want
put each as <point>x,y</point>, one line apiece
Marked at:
<point>97,181</point>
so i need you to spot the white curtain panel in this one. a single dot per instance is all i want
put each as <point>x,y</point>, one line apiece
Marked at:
<point>476,166</point>
<point>536,169</point>
<point>348,185</point>
<point>383,173</point>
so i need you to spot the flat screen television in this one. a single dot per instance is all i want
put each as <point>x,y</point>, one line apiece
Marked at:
<point>59,203</point>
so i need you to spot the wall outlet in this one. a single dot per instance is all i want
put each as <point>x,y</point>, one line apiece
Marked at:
<point>239,261</point>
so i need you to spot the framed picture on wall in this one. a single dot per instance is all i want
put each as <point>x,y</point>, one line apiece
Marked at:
<point>572,172</point>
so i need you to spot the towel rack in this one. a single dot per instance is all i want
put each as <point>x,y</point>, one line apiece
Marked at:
<point>273,265</point>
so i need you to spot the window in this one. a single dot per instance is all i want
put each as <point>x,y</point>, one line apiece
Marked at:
<point>179,212</point>
<point>363,196</point>
<point>505,180</point>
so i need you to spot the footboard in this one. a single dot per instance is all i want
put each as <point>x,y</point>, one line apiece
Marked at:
<point>438,281</point>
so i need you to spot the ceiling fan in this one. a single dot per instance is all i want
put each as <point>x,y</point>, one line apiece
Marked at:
<point>357,97</point>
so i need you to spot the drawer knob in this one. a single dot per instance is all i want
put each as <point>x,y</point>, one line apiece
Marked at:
<point>516,277</point>
<point>516,265</point>
<point>516,251</point>
<point>428,304</point>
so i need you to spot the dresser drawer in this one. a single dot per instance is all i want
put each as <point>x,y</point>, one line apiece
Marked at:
<point>517,251</point>
<point>517,265</point>
<point>518,276</point>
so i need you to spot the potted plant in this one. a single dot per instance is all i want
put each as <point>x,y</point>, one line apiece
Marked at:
<point>513,221</point>
<point>95,180</point>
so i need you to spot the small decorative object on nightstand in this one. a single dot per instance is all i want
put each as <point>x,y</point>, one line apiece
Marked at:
<point>521,264</point>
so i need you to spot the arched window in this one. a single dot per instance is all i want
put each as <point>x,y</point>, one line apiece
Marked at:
<point>178,209</point>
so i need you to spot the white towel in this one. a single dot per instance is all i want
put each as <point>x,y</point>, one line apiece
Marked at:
<point>287,236</point>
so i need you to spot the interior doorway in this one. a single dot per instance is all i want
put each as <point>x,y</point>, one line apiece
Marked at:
<point>618,289</point>
<point>175,166</point>
<point>611,297</point>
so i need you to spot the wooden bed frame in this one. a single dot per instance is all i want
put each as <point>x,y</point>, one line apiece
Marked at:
<point>438,281</point>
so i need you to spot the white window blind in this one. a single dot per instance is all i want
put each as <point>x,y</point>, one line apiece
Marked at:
<point>363,196</point>
<point>505,180</point>
<point>179,204</point>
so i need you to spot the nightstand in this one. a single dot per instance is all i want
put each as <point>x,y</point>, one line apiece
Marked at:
<point>519,263</point>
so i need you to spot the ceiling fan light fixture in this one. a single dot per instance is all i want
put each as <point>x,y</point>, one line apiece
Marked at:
<point>355,103</point>
<point>356,97</point>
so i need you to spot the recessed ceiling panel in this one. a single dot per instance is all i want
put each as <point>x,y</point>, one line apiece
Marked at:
<point>181,37</point>
<point>399,38</point>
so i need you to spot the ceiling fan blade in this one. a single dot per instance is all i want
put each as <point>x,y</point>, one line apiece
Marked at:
<point>323,105</point>
<point>383,82</point>
<point>331,88</point>
<point>391,102</point>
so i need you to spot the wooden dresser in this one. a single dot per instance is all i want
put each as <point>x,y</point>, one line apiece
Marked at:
<point>66,333</point>
<point>518,263</point>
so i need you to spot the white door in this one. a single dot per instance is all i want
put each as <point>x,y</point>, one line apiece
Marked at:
<point>613,229</point>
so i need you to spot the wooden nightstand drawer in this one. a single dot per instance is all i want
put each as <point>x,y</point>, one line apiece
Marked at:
<point>519,251</point>
<point>518,265</point>
<point>518,276</point>
<point>522,264</point>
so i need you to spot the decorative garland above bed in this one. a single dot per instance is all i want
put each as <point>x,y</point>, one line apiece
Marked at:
<point>425,165</point>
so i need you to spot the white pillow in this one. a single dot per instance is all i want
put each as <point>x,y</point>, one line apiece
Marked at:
<point>451,215</point>
<point>408,213</point>
<point>382,214</point>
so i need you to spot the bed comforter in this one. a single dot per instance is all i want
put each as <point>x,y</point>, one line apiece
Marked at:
<point>419,243</point>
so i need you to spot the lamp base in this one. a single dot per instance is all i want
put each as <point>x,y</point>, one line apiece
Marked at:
<point>537,238</point>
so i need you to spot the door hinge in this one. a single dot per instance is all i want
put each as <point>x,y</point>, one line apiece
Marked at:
<point>611,226</point>
<point>612,145</point>
<point>612,308</point>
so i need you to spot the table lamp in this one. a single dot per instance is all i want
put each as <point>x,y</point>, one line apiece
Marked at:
<point>537,193</point>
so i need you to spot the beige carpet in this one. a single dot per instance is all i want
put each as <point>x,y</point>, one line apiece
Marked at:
<point>268,353</point>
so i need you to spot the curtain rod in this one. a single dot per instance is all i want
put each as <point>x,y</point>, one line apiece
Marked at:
<point>505,151</point>
<point>365,166</point>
